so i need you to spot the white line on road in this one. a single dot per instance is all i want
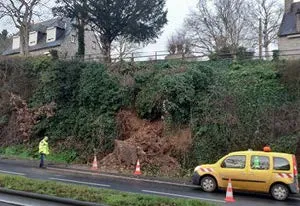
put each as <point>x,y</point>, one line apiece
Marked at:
<point>13,173</point>
<point>74,181</point>
<point>12,203</point>
<point>184,196</point>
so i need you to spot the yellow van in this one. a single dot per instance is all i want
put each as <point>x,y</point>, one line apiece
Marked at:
<point>257,171</point>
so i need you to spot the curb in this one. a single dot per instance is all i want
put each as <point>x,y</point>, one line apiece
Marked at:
<point>48,198</point>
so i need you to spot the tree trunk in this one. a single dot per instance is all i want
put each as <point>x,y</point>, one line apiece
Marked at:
<point>106,49</point>
<point>266,39</point>
<point>81,44</point>
<point>24,40</point>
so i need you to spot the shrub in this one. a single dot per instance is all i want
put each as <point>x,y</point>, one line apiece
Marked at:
<point>238,113</point>
<point>172,93</point>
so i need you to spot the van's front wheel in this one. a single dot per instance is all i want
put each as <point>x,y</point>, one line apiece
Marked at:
<point>279,192</point>
<point>208,184</point>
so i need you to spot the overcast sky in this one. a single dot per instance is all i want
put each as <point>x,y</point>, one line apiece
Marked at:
<point>177,11</point>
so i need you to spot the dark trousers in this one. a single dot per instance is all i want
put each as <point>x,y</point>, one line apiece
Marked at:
<point>42,159</point>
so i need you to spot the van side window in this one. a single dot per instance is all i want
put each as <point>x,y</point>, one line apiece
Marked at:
<point>260,162</point>
<point>238,161</point>
<point>281,164</point>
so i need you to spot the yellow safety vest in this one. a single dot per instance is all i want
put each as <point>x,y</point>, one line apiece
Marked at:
<point>43,147</point>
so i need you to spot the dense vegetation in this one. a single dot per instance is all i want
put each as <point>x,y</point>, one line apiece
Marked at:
<point>228,105</point>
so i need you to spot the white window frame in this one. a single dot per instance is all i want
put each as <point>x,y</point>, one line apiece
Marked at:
<point>33,38</point>
<point>51,34</point>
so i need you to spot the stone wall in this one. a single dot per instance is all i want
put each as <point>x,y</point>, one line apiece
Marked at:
<point>68,49</point>
<point>289,48</point>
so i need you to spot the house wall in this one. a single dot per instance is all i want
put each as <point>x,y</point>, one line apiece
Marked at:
<point>69,49</point>
<point>39,52</point>
<point>289,48</point>
<point>90,52</point>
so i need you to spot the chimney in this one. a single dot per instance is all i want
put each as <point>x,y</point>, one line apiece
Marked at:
<point>298,21</point>
<point>288,5</point>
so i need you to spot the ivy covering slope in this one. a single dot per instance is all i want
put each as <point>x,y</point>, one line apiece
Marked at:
<point>229,106</point>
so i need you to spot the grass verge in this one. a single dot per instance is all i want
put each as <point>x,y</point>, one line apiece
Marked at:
<point>22,152</point>
<point>84,193</point>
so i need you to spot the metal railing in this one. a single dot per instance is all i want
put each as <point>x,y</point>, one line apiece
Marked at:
<point>193,56</point>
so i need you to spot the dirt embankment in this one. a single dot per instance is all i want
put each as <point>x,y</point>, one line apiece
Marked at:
<point>146,141</point>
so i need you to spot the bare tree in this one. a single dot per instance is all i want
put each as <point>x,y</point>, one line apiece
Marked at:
<point>179,43</point>
<point>123,47</point>
<point>220,24</point>
<point>21,13</point>
<point>270,12</point>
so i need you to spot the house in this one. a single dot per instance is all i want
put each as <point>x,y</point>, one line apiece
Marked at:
<point>57,34</point>
<point>289,31</point>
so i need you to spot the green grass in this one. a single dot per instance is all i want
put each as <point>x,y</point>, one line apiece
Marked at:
<point>22,152</point>
<point>84,193</point>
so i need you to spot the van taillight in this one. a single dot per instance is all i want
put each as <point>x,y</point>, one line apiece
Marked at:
<point>295,166</point>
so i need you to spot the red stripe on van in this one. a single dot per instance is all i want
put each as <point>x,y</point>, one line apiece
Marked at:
<point>295,166</point>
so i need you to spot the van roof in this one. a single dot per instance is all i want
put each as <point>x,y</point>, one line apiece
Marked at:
<point>261,153</point>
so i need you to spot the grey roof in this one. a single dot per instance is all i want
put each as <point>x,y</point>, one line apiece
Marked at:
<point>288,24</point>
<point>64,26</point>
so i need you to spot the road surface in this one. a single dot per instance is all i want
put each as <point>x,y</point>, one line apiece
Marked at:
<point>137,185</point>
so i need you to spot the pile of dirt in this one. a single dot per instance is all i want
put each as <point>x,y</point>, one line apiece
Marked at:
<point>146,141</point>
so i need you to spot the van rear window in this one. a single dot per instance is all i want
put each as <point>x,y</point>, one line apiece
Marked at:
<point>281,164</point>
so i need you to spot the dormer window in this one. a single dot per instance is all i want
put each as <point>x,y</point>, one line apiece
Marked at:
<point>51,34</point>
<point>16,42</point>
<point>33,38</point>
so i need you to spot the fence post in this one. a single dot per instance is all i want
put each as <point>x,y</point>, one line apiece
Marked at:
<point>132,57</point>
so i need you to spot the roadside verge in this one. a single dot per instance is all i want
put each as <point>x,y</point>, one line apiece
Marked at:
<point>54,191</point>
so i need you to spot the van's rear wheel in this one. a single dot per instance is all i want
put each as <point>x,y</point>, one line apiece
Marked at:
<point>208,184</point>
<point>279,192</point>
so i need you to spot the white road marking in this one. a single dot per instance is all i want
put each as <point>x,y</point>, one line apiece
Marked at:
<point>184,196</point>
<point>126,178</point>
<point>74,181</point>
<point>13,173</point>
<point>294,198</point>
<point>12,203</point>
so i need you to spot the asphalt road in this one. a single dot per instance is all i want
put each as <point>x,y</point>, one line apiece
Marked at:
<point>137,185</point>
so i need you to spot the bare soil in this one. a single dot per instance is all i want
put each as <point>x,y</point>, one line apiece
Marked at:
<point>148,142</point>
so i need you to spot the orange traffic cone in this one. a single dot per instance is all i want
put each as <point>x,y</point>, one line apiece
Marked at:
<point>95,164</point>
<point>229,192</point>
<point>138,168</point>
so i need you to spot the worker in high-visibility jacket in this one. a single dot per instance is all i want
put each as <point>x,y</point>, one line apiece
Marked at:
<point>43,150</point>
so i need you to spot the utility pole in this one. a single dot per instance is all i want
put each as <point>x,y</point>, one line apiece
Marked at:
<point>260,39</point>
